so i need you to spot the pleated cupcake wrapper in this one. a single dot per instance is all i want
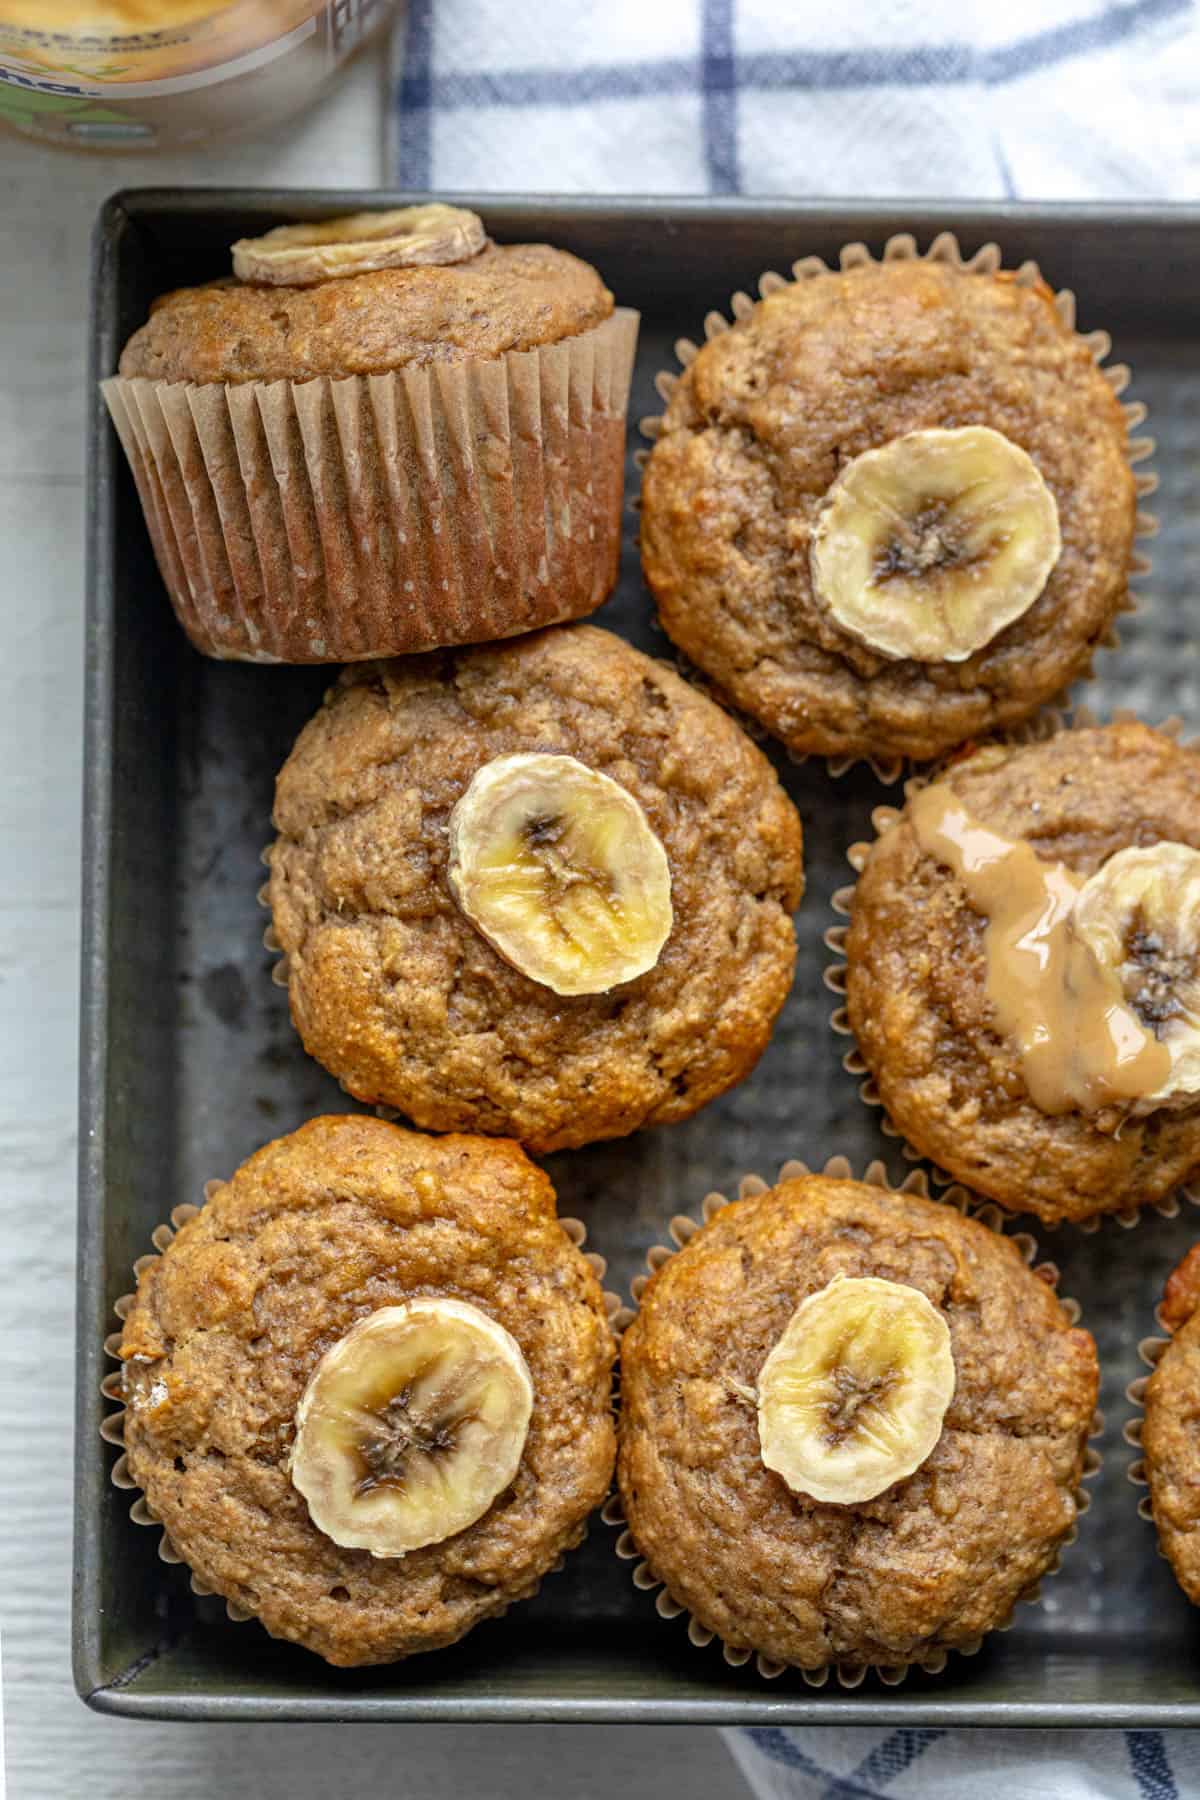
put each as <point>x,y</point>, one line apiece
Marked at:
<point>1151,1350</point>
<point>112,1428</point>
<point>682,1229</point>
<point>986,261</point>
<point>270,940</point>
<point>1046,724</point>
<point>332,520</point>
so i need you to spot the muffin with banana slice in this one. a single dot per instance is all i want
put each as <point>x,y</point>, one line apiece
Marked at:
<point>368,1387</point>
<point>891,508</point>
<point>542,889</point>
<point>853,1426</point>
<point>1023,970</point>
<point>385,434</point>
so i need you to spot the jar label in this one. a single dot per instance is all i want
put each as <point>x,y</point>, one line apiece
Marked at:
<point>85,50</point>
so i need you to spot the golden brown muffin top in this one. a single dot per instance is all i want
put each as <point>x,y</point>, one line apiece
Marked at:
<point>934,1561</point>
<point>313,1233</point>
<point>917,976</point>
<point>508,297</point>
<point>394,990</point>
<point>771,411</point>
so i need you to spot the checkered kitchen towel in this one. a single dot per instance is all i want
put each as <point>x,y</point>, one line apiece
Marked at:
<point>1043,99</point>
<point>915,1764</point>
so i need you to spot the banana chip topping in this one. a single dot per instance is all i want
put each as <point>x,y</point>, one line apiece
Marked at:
<point>1139,915</point>
<point>927,547</point>
<point>558,868</point>
<point>852,1398</point>
<point>411,1425</point>
<point>357,243</point>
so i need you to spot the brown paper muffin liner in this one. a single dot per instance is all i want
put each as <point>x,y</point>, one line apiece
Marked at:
<point>1151,1350</point>
<point>270,940</point>
<point>334,520</point>
<point>1046,724</point>
<point>112,1428</point>
<point>986,260</point>
<point>682,1228</point>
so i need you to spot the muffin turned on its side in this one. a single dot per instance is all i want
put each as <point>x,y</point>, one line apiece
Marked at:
<point>542,889</point>
<point>368,1387</point>
<point>853,1426</point>
<point>385,434</point>
<point>891,508</point>
<point>1023,970</point>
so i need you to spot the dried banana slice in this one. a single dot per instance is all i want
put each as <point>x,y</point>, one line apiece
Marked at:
<point>929,546</point>
<point>852,1397</point>
<point>301,255</point>
<point>1140,916</point>
<point>411,1425</point>
<point>557,866</point>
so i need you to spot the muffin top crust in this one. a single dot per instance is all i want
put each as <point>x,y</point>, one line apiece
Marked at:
<point>917,975</point>
<point>313,1234</point>
<point>394,989</point>
<point>1169,1445</point>
<point>771,412</point>
<point>935,1560</point>
<point>508,297</point>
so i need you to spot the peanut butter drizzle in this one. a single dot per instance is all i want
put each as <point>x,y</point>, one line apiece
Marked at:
<point>1080,1044</point>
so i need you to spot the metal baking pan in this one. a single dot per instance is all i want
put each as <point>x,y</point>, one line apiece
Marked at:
<point>189,1061</point>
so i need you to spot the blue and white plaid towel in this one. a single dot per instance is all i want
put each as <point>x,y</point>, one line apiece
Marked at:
<point>1045,99</point>
<point>913,1764</point>
<point>1042,99</point>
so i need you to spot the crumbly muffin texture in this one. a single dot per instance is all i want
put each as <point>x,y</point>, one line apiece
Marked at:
<point>397,993</point>
<point>768,414</point>
<point>1170,1442</point>
<point>916,977</point>
<point>936,1560</point>
<point>316,1231</point>
<point>509,297</point>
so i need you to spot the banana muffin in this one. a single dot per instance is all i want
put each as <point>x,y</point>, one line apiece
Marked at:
<point>368,1387</point>
<point>1023,970</point>
<point>542,889</point>
<point>891,508</point>
<point>1169,1441</point>
<point>386,433</point>
<point>853,1425</point>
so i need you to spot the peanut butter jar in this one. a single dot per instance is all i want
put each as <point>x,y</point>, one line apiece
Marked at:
<point>1021,970</point>
<point>162,74</point>
<point>384,434</point>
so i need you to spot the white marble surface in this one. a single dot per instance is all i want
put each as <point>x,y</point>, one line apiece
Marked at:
<point>56,1749</point>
